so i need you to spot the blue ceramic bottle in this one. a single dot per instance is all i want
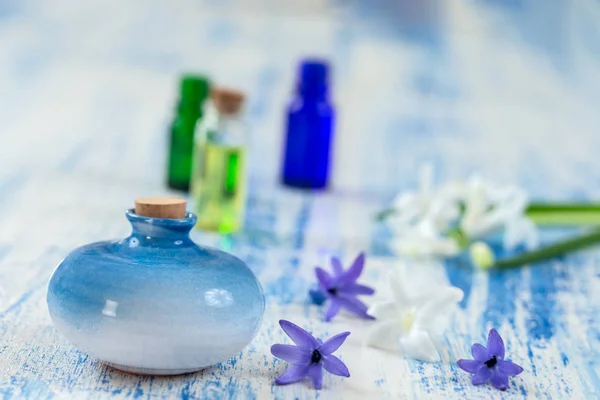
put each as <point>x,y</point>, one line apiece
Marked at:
<point>309,129</point>
<point>155,302</point>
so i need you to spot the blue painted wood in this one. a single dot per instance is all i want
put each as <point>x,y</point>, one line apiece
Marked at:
<point>87,90</point>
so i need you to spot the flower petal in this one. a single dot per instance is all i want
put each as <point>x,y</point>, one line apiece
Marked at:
<point>469,365</point>
<point>299,335</point>
<point>354,305</point>
<point>336,264</point>
<point>355,289</point>
<point>499,380</point>
<point>354,271</point>
<point>406,202</point>
<point>333,343</point>
<point>383,310</point>
<point>332,310</point>
<point>384,335</point>
<point>325,280</point>
<point>294,373</point>
<point>495,345</point>
<point>423,241</point>
<point>397,288</point>
<point>435,310</point>
<point>292,354</point>
<point>484,224</point>
<point>509,368</point>
<point>316,375</point>
<point>482,375</point>
<point>418,345</point>
<point>335,366</point>
<point>479,352</point>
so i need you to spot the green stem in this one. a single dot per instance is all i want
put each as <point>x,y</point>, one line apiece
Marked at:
<point>550,251</point>
<point>564,213</point>
<point>547,213</point>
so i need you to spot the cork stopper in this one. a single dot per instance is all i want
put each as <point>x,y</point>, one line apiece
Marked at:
<point>228,101</point>
<point>161,207</point>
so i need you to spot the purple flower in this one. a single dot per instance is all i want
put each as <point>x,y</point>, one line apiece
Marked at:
<point>489,364</point>
<point>309,356</point>
<point>341,288</point>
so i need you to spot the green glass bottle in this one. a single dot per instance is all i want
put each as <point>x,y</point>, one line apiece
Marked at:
<point>194,92</point>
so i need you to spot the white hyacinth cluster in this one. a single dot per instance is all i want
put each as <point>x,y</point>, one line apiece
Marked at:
<point>442,221</point>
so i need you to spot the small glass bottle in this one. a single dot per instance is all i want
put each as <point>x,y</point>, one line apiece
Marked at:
<point>194,92</point>
<point>309,129</point>
<point>205,126</point>
<point>219,177</point>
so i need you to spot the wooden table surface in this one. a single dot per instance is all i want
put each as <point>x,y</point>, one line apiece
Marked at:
<point>506,88</point>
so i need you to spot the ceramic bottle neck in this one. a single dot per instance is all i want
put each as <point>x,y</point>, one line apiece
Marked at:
<point>160,229</point>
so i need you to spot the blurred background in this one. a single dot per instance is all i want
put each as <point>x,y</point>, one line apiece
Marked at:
<point>505,87</point>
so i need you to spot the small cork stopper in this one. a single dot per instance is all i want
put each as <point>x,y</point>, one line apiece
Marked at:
<point>228,101</point>
<point>161,207</point>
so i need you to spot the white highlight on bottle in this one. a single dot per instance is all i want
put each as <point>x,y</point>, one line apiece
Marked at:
<point>110,308</point>
<point>218,298</point>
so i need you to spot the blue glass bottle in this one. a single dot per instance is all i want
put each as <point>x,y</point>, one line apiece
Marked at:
<point>310,121</point>
<point>155,302</point>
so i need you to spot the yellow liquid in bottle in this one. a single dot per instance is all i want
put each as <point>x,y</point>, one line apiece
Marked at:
<point>219,187</point>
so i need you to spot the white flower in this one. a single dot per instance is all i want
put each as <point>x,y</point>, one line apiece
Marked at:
<point>412,325</point>
<point>422,221</point>
<point>437,205</point>
<point>424,241</point>
<point>490,208</point>
<point>421,217</point>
